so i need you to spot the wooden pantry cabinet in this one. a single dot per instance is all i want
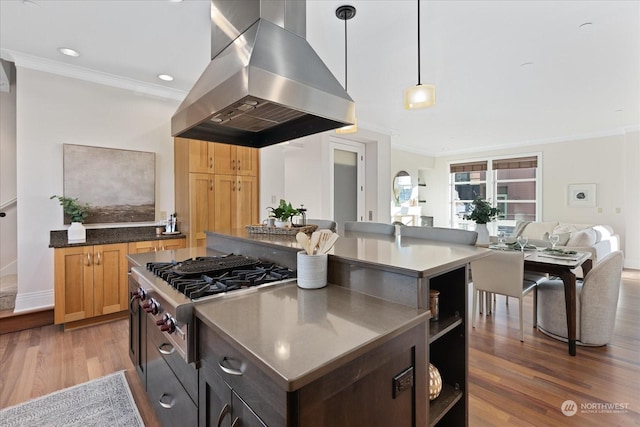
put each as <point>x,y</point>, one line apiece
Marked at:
<point>90,281</point>
<point>216,187</point>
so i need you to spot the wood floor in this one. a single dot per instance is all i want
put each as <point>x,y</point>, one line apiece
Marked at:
<point>511,383</point>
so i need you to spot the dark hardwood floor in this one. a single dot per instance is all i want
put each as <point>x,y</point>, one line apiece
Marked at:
<point>512,383</point>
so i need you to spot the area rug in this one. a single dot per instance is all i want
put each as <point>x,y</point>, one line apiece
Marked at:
<point>105,401</point>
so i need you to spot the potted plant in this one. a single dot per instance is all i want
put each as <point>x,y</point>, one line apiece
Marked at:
<point>482,213</point>
<point>283,213</point>
<point>77,213</point>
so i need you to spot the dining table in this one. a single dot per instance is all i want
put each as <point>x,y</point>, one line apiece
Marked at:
<point>560,263</point>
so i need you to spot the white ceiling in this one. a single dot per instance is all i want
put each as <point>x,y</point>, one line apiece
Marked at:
<point>583,81</point>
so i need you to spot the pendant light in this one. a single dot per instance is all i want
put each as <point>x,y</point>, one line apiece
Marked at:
<point>419,96</point>
<point>345,13</point>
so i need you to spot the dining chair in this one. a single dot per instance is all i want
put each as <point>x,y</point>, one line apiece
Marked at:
<point>369,227</point>
<point>502,272</point>
<point>440,234</point>
<point>596,304</point>
<point>323,224</point>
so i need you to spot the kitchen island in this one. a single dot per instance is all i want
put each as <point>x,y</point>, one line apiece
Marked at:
<point>353,352</point>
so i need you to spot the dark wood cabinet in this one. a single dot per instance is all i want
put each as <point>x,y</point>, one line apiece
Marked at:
<point>365,390</point>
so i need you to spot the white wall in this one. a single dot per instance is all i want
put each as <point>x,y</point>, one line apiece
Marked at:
<point>53,110</point>
<point>8,224</point>
<point>305,166</point>
<point>610,162</point>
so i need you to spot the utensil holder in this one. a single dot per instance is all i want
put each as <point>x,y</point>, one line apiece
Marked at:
<point>312,270</point>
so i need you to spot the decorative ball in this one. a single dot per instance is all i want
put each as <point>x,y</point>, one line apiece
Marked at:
<point>435,382</point>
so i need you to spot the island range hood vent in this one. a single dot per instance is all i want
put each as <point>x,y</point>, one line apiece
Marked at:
<point>265,83</point>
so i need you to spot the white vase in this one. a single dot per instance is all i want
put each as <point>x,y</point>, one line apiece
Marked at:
<point>76,233</point>
<point>282,224</point>
<point>483,234</point>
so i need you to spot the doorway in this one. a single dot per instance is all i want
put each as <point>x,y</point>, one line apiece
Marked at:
<point>347,181</point>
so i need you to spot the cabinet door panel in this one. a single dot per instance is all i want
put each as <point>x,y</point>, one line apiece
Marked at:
<point>201,212</point>
<point>225,207</point>
<point>246,201</point>
<point>247,161</point>
<point>171,244</point>
<point>224,159</point>
<point>200,156</point>
<point>142,247</point>
<point>214,397</point>
<point>110,278</point>
<point>242,412</point>
<point>73,284</point>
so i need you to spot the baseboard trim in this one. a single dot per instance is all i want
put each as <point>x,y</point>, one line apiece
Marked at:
<point>14,322</point>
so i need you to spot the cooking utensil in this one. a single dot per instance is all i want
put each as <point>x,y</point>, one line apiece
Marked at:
<point>315,239</point>
<point>303,240</point>
<point>329,243</point>
<point>325,235</point>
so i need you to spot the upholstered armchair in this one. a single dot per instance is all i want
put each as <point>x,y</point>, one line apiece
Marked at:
<point>596,304</point>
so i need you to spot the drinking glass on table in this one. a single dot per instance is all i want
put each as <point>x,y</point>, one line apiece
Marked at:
<point>554,239</point>
<point>522,241</point>
<point>500,238</point>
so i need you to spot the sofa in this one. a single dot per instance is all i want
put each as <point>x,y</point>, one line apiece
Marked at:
<point>598,239</point>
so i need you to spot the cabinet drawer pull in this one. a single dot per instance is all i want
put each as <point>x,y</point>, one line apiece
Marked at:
<point>236,423</point>
<point>88,259</point>
<point>166,401</point>
<point>226,410</point>
<point>230,371</point>
<point>166,352</point>
<point>98,258</point>
<point>233,164</point>
<point>239,187</point>
<point>238,164</point>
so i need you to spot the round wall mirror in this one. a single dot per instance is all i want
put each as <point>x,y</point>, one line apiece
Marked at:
<point>402,187</point>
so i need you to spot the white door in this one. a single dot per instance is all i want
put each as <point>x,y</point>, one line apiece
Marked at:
<point>347,180</point>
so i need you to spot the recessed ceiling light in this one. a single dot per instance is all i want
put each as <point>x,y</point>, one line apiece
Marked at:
<point>165,77</point>
<point>526,64</point>
<point>68,52</point>
<point>30,3</point>
<point>618,110</point>
<point>585,24</point>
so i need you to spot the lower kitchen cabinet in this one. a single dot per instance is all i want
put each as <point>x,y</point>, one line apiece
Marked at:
<point>90,281</point>
<point>171,382</point>
<point>219,405</point>
<point>157,245</point>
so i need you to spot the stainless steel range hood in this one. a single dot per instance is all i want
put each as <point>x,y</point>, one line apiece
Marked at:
<point>265,83</point>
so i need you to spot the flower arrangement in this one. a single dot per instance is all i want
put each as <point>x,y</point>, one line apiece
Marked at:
<point>77,212</point>
<point>482,212</point>
<point>284,211</point>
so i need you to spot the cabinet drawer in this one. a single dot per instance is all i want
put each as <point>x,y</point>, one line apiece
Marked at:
<point>255,388</point>
<point>185,372</point>
<point>172,404</point>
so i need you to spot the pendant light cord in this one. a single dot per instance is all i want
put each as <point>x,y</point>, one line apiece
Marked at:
<point>418,42</point>
<point>345,54</point>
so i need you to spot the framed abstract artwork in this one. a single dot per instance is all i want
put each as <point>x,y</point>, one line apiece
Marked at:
<point>119,185</point>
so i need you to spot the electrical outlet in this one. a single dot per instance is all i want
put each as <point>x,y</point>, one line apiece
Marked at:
<point>162,215</point>
<point>617,210</point>
<point>599,210</point>
<point>273,199</point>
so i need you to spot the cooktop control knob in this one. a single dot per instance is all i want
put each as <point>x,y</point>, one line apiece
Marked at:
<point>151,306</point>
<point>169,324</point>
<point>141,293</point>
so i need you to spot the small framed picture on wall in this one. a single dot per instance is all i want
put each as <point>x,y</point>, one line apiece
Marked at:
<point>581,195</point>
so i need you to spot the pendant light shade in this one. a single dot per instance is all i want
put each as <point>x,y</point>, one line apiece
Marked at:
<point>419,96</point>
<point>345,13</point>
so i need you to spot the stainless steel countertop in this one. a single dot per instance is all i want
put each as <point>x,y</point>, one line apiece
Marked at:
<point>298,335</point>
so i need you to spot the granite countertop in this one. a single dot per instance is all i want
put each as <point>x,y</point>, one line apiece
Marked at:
<point>298,335</point>
<point>105,236</point>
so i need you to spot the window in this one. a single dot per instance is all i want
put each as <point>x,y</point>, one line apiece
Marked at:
<point>510,183</point>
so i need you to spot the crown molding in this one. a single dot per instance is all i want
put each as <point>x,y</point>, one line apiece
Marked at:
<point>86,74</point>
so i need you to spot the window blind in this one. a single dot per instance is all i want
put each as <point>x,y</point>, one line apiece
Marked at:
<point>469,167</point>
<point>516,163</point>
